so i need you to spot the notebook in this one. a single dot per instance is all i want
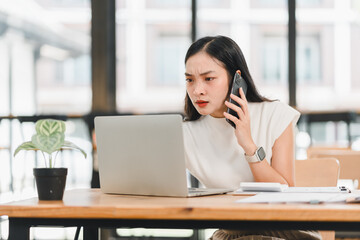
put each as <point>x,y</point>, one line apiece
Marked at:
<point>144,155</point>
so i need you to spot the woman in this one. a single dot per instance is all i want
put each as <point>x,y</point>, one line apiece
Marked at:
<point>260,148</point>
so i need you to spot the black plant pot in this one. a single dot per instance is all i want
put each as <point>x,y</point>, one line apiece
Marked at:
<point>50,183</point>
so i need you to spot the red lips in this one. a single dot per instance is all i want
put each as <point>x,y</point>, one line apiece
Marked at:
<point>201,103</point>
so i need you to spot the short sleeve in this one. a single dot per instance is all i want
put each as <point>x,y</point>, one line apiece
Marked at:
<point>280,119</point>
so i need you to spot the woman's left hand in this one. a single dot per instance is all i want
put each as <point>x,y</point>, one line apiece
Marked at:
<point>242,130</point>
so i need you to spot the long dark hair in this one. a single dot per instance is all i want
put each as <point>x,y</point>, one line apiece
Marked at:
<point>229,53</point>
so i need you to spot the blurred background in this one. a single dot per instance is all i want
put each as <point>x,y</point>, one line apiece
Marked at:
<point>75,59</point>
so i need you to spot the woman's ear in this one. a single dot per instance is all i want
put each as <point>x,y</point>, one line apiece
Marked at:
<point>239,72</point>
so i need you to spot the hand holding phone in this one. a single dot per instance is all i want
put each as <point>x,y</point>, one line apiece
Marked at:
<point>238,82</point>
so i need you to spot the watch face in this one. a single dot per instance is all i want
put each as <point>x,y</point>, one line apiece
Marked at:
<point>261,153</point>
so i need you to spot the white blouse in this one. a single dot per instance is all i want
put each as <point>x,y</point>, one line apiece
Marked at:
<point>213,154</point>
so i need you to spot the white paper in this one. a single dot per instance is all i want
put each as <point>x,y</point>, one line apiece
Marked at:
<point>285,197</point>
<point>313,190</point>
<point>261,187</point>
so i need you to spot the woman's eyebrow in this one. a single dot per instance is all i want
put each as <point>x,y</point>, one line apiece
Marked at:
<point>201,74</point>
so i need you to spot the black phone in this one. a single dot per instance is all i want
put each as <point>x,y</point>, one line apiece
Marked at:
<point>238,82</point>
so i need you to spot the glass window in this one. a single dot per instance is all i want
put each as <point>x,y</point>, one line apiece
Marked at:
<point>315,3</point>
<point>45,69</point>
<point>4,73</point>
<point>269,58</point>
<point>274,60</point>
<point>214,18</point>
<point>47,63</point>
<point>152,40</point>
<point>327,57</point>
<point>214,3</point>
<point>355,56</point>
<point>259,35</point>
<point>167,4</point>
<point>121,55</point>
<point>355,47</point>
<point>308,60</point>
<point>212,29</point>
<point>168,52</point>
<point>64,3</point>
<point>269,3</point>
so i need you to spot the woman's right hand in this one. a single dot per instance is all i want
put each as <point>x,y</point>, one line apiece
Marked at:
<point>242,130</point>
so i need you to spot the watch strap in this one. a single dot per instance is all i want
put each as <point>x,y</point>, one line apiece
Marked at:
<point>258,156</point>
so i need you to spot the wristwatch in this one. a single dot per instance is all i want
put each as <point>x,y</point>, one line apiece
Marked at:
<point>258,156</point>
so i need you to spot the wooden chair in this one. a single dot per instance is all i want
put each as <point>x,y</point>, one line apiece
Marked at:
<point>317,172</point>
<point>319,149</point>
<point>349,162</point>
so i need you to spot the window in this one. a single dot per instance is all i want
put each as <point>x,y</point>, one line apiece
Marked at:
<point>327,57</point>
<point>213,3</point>
<point>171,4</point>
<point>259,28</point>
<point>152,40</point>
<point>314,3</point>
<point>355,56</point>
<point>45,69</point>
<point>269,3</point>
<point>274,60</point>
<point>47,63</point>
<point>269,57</point>
<point>308,60</point>
<point>355,47</point>
<point>168,67</point>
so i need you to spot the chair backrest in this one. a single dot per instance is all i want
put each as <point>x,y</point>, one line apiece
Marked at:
<point>316,172</point>
<point>320,149</point>
<point>349,162</point>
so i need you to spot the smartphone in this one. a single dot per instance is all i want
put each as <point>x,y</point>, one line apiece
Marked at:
<point>238,82</point>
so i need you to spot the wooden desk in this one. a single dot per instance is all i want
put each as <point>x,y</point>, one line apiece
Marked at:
<point>92,209</point>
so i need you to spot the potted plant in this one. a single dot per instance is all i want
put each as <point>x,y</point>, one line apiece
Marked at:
<point>49,139</point>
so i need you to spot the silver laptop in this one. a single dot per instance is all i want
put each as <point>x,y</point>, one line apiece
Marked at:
<point>144,155</point>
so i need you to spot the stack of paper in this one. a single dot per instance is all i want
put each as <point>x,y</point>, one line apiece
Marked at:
<point>278,193</point>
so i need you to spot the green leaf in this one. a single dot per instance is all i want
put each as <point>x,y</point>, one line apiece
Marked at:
<point>25,146</point>
<point>68,144</point>
<point>48,127</point>
<point>48,144</point>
